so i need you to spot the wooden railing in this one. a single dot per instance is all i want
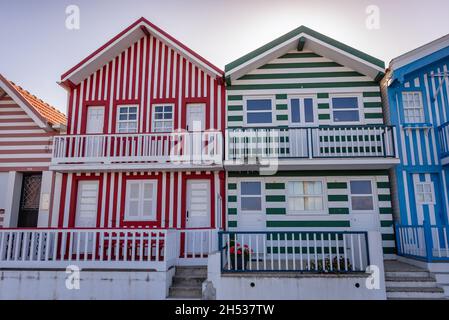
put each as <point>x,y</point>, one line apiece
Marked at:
<point>148,249</point>
<point>423,242</point>
<point>443,133</point>
<point>177,147</point>
<point>319,251</point>
<point>368,141</point>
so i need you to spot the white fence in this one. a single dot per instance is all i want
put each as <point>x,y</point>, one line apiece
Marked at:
<point>156,249</point>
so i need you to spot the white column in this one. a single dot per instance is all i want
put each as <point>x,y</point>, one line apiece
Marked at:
<point>44,203</point>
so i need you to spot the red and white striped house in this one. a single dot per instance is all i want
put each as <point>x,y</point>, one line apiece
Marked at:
<point>27,128</point>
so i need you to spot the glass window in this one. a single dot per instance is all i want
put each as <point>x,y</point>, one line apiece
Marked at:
<point>251,196</point>
<point>361,195</point>
<point>127,119</point>
<point>140,201</point>
<point>413,107</point>
<point>305,197</point>
<point>302,110</point>
<point>259,111</point>
<point>162,118</point>
<point>345,109</point>
<point>424,193</point>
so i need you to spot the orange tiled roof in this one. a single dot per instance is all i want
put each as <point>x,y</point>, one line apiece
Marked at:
<point>48,112</point>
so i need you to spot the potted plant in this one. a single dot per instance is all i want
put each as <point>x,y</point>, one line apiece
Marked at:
<point>239,255</point>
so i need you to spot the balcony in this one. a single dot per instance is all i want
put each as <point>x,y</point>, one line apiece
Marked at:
<point>331,147</point>
<point>153,151</point>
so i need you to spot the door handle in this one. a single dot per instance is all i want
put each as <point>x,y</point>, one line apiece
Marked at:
<point>187,214</point>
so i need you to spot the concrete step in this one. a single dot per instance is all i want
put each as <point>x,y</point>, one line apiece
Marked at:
<point>185,292</point>
<point>442,278</point>
<point>410,282</point>
<point>191,271</point>
<point>406,274</point>
<point>415,293</point>
<point>188,280</point>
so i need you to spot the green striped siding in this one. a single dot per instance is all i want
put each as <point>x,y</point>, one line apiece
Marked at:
<point>337,202</point>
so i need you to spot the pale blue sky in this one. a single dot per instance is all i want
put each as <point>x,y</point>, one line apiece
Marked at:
<point>37,48</point>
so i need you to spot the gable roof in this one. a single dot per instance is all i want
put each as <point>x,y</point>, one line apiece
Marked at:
<point>45,115</point>
<point>305,38</point>
<point>420,57</point>
<point>122,41</point>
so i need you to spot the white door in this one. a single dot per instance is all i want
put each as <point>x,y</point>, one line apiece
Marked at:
<point>196,117</point>
<point>87,204</point>
<point>95,124</point>
<point>198,216</point>
<point>364,213</point>
<point>251,214</point>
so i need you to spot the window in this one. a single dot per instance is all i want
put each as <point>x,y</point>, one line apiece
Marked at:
<point>413,107</point>
<point>127,119</point>
<point>251,196</point>
<point>361,195</point>
<point>162,118</point>
<point>305,197</point>
<point>345,109</point>
<point>424,193</point>
<point>140,203</point>
<point>302,111</point>
<point>259,111</point>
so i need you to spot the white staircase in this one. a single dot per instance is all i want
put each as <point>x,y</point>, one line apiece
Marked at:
<point>187,283</point>
<point>404,281</point>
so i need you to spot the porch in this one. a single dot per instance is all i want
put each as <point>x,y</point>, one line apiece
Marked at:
<point>176,150</point>
<point>309,148</point>
<point>144,249</point>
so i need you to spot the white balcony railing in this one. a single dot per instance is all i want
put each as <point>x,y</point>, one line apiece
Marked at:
<point>369,141</point>
<point>156,249</point>
<point>177,147</point>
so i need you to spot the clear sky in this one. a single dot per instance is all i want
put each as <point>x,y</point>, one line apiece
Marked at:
<point>36,47</point>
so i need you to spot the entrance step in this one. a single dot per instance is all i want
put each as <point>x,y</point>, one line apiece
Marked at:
<point>187,283</point>
<point>404,281</point>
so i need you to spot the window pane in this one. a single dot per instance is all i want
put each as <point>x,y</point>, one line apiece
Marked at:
<point>134,191</point>
<point>148,191</point>
<point>361,187</point>
<point>345,103</point>
<point>147,208</point>
<point>133,208</point>
<point>362,203</point>
<point>251,188</point>
<point>256,105</point>
<point>251,204</point>
<point>313,203</point>
<point>296,204</point>
<point>343,116</point>
<point>308,110</point>
<point>296,117</point>
<point>133,110</point>
<point>259,117</point>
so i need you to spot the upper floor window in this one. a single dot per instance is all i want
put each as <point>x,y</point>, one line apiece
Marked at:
<point>345,109</point>
<point>305,197</point>
<point>162,118</point>
<point>413,107</point>
<point>424,193</point>
<point>362,198</point>
<point>140,200</point>
<point>302,110</point>
<point>127,119</point>
<point>259,110</point>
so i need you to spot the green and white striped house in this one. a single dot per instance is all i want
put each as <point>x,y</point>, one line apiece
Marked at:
<point>307,146</point>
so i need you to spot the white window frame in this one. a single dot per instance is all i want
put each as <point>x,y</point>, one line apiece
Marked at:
<point>153,118</point>
<point>432,192</point>
<point>262,199</point>
<point>302,113</point>
<point>323,211</point>
<point>360,108</point>
<point>373,195</point>
<point>245,111</point>
<point>118,121</point>
<point>140,216</point>
<point>407,108</point>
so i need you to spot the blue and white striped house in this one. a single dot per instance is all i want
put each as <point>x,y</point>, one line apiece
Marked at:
<point>416,87</point>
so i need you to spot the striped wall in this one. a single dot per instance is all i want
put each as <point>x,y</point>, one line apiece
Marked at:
<point>419,146</point>
<point>24,146</point>
<point>147,72</point>
<point>303,73</point>
<point>337,200</point>
<point>171,195</point>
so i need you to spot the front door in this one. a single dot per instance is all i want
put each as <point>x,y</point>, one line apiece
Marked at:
<point>364,213</point>
<point>87,204</point>
<point>29,200</point>
<point>198,216</point>
<point>95,125</point>
<point>196,117</point>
